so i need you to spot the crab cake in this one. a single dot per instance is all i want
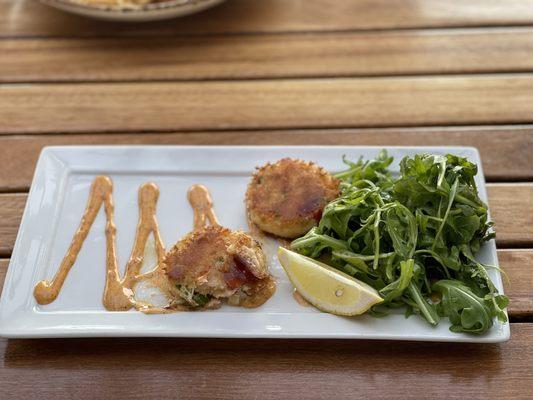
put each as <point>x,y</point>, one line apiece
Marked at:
<point>214,264</point>
<point>287,198</point>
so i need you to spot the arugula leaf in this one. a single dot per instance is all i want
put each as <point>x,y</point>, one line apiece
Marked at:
<point>426,309</point>
<point>403,235</point>
<point>396,288</point>
<point>467,312</point>
<point>372,170</point>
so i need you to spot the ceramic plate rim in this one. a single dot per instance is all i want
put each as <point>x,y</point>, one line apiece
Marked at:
<point>49,156</point>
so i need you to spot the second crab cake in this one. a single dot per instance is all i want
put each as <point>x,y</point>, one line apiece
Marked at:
<point>287,198</point>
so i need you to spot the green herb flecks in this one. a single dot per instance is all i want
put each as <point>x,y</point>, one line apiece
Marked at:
<point>191,297</point>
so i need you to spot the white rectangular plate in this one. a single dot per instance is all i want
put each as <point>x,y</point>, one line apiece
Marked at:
<point>58,197</point>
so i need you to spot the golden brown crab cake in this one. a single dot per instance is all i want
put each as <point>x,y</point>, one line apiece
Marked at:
<point>213,264</point>
<point>287,198</point>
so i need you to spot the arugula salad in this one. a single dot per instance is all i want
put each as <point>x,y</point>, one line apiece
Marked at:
<point>413,237</point>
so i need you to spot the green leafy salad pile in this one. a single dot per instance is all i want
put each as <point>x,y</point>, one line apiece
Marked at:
<point>413,238</point>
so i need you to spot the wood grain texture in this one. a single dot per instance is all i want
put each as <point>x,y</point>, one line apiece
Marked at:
<point>510,207</point>
<point>11,209</point>
<point>505,150</point>
<point>270,369</point>
<point>515,262</point>
<point>518,264</point>
<point>19,18</point>
<point>277,72</point>
<point>101,362</point>
<point>301,103</point>
<point>267,56</point>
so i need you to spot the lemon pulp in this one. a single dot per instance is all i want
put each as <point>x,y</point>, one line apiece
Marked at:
<point>325,287</point>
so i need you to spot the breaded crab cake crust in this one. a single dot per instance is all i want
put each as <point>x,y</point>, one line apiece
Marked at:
<point>287,198</point>
<point>217,262</point>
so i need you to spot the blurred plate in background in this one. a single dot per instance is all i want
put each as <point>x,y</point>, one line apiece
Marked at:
<point>149,12</point>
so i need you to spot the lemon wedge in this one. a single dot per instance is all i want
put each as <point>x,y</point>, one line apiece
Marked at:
<point>325,287</point>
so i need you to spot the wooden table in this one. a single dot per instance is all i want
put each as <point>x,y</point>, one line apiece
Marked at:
<point>359,72</point>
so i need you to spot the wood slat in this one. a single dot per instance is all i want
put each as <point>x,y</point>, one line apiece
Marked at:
<point>19,18</point>
<point>316,103</point>
<point>518,283</point>
<point>518,287</point>
<point>11,209</point>
<point>505,150</point>
<point>516,264</point>
<point>311,369</point>
<point>267,56</point>
<point>510,206</point>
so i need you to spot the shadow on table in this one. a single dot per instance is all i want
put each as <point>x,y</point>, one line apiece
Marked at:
<point>232,16</point>
<point>245,356</point>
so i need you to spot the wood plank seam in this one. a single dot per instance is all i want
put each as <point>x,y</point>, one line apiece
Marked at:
<point>281,78</point>
<point>251,33</point>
